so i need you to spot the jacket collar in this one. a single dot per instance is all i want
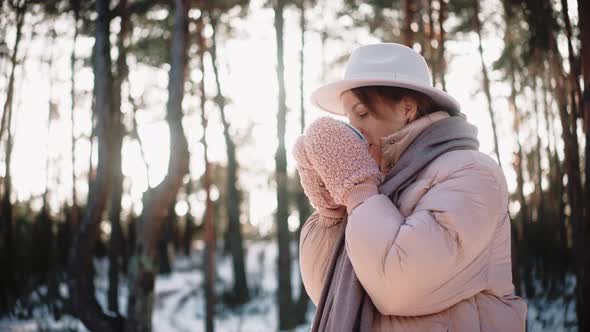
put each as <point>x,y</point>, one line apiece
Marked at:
<point>393,145</point>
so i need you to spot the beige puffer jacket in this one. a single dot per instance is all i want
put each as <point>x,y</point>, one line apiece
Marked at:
<point>440,260</point>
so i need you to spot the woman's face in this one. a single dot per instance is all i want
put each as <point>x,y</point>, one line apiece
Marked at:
<point>382,121</point>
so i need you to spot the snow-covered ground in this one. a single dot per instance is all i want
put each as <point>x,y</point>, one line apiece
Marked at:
<point>553,314</point>
<point>180,304</point>
<point>179,297</point>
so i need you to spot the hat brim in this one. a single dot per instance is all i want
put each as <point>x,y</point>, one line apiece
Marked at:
<point>327,97</point>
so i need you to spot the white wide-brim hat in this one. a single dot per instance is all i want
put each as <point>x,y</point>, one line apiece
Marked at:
<point>388,64</point>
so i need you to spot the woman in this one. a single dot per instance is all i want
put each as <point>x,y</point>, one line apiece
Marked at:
<point>411,230</point>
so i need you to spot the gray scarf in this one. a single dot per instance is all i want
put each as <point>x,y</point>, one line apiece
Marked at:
<point>344,304</point>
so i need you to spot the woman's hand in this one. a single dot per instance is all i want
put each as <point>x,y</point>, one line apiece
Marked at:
<point>343,161</point>
<point>315,189</point>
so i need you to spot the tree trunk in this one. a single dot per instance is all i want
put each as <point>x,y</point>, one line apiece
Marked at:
<point>8,283</point>
<point>165,240</point>
<point>539,179</point>
<point>574,74</point>
<point>486,80</point>
<point>91,174</point>
<point>429,37</point>
<point>73,224</point>
<point>441,62</point>
<point>286,319</point>
<point>240,289</point>
<point>188,222</point>
<point>156,200</point>
<point>302,202</point>
<point>557,173</point>
<point>20,16</point>
<point>584,16</point>
<point>550,148</point>
<point>517,227</point>
<point>520,227</point>
<point>210,245</point>
<point>410,9</point>
<point>421,29</point>
<point>42,233</point>
<point>584,283</point>
<point>574,186</point>
<point>135,134</point>
<point>116,247</point>
<point>81,272</point>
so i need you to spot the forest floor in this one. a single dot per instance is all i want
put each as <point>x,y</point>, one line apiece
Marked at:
<point>180,304</point>
<point>179,296</point>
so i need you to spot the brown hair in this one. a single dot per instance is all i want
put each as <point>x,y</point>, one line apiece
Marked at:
<point>367,94</point>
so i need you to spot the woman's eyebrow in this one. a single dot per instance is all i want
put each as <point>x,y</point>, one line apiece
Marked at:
<point>355,105</point>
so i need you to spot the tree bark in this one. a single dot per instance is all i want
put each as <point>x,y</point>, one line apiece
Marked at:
<point>209,225</point>
<point>539,180</point>
<point>584,284</point>
<point>486,80</point>
<point>574,74</point>
<point>156,200</point>
<point>429,37</point>
<point>410,9</point>
<point>554,161</point>
<point>286,319</point>
<point>188,222</point>
<point>165,266</point>
<point>8,283</point>
<point>517,236</point>
<point>20,17</point>
<point>302,202</point>
<point>574,186</point>
<point>116,247</point>
<point>240,289</point>
<point>135,134</point>
<point>441,62</point>
<point>74,212</point>
<point>81,272</point>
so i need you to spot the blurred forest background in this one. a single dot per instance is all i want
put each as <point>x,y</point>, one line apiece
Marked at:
<point>146,180</point>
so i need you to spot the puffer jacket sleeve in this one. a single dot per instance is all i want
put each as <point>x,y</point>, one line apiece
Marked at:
<point>437,255</point>
<point>315,246</point>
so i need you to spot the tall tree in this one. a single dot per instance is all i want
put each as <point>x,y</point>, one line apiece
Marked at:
<point>43,257</point>
<point>584,26</point>
<point>441,64</point>
<point>303,206</point>
<point>7,280</point>
<point>485,77</point>
<point>80,274</point>
<point>20,8</point>
<point>116,247</point>
<point>538,167</point>
<point>509,63</point>
<point>410,12</point>
<point>156,200</point>
<point>540,17</point>
<point>43,236</point>
<point>75,4</point>
<point>240,287</point>
<point>286,319</point>
<point>584,285</point>
<point>208,219</point>
<point>429,37</point>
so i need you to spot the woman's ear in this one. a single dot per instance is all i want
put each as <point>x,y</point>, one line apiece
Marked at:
<point>410,107</point>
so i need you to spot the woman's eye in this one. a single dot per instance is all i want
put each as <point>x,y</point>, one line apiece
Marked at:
<point>363,115</point>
